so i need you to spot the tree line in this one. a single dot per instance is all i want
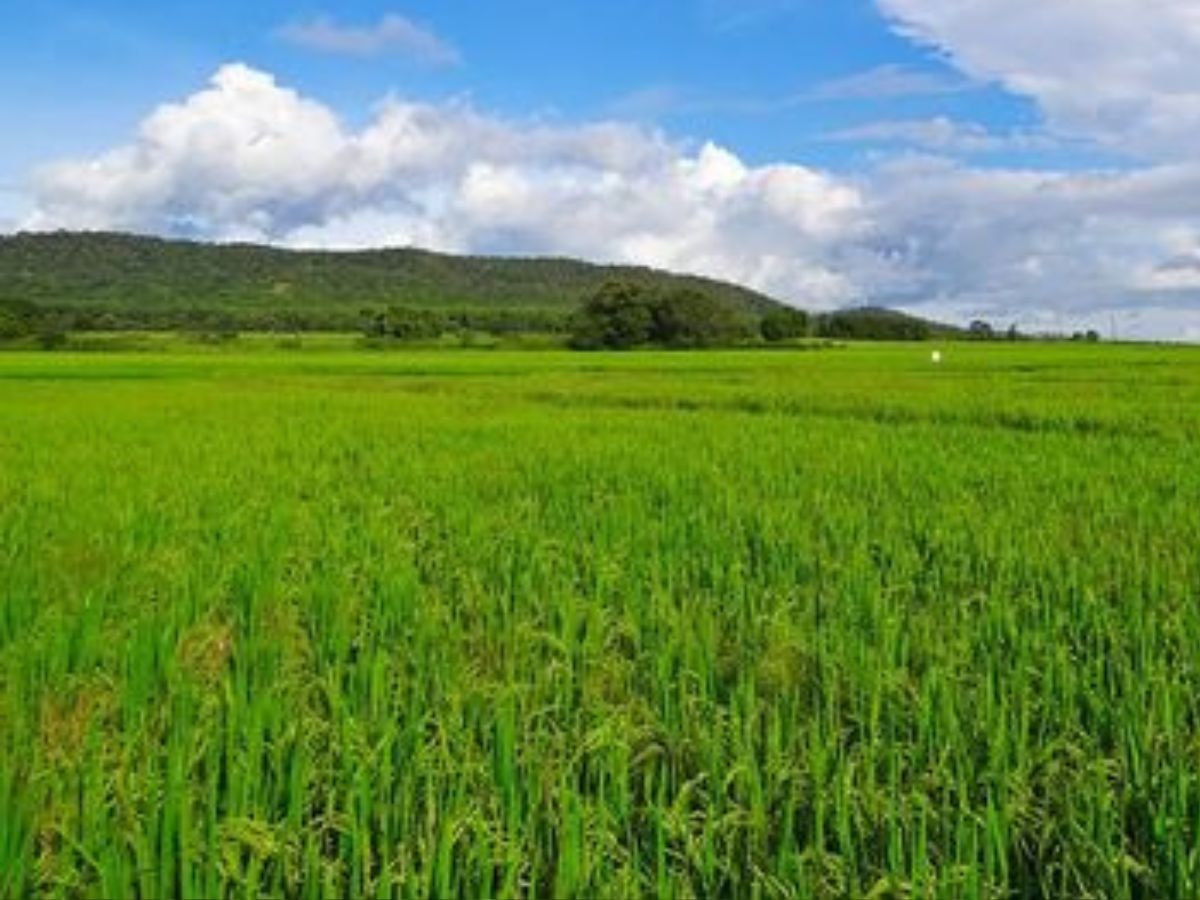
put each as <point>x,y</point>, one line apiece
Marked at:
<point>24,321</point>
<point>620,315</point>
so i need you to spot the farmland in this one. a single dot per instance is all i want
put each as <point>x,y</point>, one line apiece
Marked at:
<point>451,623</point>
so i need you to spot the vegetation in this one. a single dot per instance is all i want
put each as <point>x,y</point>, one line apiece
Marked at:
<point>67,282</point>
<point>12,326</point>
<point>873,324</point>
<point>143,282</point>
<point>622,316</point>
<point>408,324</point>
<point>831,624</point>
<point>784,324</point>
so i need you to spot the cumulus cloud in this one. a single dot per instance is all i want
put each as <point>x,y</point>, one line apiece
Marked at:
<point>1005,243</point>
<point>1125,73</point>
<point>11,201</point>
<point>392,34</point>
<point>247,158</point>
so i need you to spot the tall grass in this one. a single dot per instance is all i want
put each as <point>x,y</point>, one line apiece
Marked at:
<point>781,625</point>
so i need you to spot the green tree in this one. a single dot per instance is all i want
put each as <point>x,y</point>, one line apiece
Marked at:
<point>374,323</point>
<point>691,318</point>
<point>784,324</point>
<point>12,326</point>
<point>414,324</point>
<point>619,316</point>
<point>51,336</point>
<point>872,324</point>
<point>980,330</point>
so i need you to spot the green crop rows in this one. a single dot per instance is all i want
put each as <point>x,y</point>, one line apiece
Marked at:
<point>807,624</point>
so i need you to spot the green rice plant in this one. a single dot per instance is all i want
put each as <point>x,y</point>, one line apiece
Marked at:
<point>767,624</point>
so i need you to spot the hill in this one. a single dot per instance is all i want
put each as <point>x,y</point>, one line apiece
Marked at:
<point>81,281</point>
<point>121,272</point>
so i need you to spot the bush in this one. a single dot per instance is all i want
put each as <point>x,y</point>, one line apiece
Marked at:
<point>52,338</point>
<point>13,327</point>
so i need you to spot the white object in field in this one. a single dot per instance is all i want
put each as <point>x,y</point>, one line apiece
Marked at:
<point>937,357</point>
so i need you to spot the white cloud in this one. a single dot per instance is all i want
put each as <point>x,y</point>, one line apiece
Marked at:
<point>943,135</point>
<point>731,15</point>
<point>12,200</point>
<point>1028,246</point>
<point>246,158</point>
<point>1125,73</point>
<point>243,151</point>
<point>888,83</point>
<point>1180,273</point>
<point>392,34</point>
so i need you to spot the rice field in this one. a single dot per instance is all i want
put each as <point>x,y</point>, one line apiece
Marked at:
<point>828,624</point>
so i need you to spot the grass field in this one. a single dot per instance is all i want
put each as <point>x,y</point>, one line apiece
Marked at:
<point>809,624</point>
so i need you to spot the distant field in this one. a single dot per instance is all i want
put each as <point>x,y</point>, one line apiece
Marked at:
<point>812,624</point>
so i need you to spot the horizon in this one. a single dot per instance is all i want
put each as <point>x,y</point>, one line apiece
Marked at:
<point>918,155</point>
<point>1111,336</point>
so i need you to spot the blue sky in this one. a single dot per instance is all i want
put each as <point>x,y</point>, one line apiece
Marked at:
<point>998,157</point>
<point>748,74</point>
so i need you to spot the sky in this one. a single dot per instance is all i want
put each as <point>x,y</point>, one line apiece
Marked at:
<point>1021,161</point>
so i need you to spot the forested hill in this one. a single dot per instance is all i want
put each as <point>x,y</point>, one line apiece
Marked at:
<point>119,272</point>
